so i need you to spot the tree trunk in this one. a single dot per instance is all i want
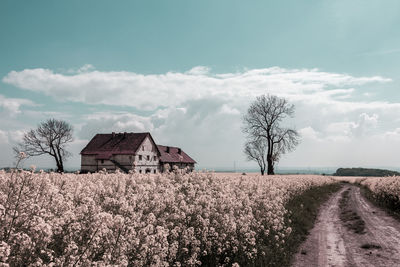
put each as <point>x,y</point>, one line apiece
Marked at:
<point>60,168</point>
<point>60,165</point>
<point>262,171</point>
<point>54,154</point>
<point>270,163</point>
<point>270,170</point>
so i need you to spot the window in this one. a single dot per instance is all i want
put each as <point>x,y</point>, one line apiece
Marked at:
<point>154,171</point>
<point>155,158</point>
<point>140,171</point>
<point>148,157</point>
<point>140,157</point>
<point>130,157</point>
<point>142,148</point>
<point>102,161</point>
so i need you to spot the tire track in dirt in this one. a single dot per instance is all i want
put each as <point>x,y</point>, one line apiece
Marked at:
<point>381,229</point>
<point>330,243</point>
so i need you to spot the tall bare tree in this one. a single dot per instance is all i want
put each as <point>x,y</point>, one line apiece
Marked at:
<point>262,124</point>
<point>51,138</point>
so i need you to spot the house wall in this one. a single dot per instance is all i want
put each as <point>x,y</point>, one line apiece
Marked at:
<point>124,160</point>
<point>148,151</point>
<point>88,163</point>
<point>105,164</point>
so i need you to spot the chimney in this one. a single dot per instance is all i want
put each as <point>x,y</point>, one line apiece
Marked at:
<point>179,151</point>
<point>124,134</point>
<point>113,134</point>
<point>167,149</point>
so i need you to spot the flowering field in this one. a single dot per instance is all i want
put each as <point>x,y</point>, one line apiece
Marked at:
<point>384,190</point>
<point>133,219</point>
<point>387,188</point>
<point>383,186</point>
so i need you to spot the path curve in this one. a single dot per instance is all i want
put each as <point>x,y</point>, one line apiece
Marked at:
<point>330,243</point>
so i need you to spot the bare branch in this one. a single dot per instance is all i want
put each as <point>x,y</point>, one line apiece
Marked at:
<point>50,137</point>
<point>255,150</point>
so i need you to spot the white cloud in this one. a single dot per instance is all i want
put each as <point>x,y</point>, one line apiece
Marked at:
<point>346,131</point>
<point>339,127</point>
<point>368,94</point>
<point>226,109</point>
<point>199,70</point>
<point>365,124</point>
<point>12,106</point>
<point>11,136</point>
<point>86,68</point>
<point>392,135</point>
<point>106,122</point>
<point>309,133</point>
<point>147,92</point>
<point>17,135</point>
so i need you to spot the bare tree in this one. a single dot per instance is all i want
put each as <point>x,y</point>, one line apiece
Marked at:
<point>256,150</point>
<point>50,137</point>
<point>262,122</point>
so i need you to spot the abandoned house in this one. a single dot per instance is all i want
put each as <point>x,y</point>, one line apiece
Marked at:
<point>131,151</point>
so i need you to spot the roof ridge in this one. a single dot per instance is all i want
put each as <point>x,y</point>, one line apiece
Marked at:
<point>122,133</point>
<point>170,146</point>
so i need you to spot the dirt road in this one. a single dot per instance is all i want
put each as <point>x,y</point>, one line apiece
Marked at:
<point>334,241</point>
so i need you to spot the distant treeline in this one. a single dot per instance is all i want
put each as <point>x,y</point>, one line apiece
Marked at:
<point>365,172</point>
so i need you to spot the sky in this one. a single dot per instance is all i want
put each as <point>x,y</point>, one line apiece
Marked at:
<point>186,71</point>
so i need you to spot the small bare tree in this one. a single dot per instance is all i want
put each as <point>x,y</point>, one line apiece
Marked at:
<point>51,138</point>
<point>262,125</point>
<point>256,150</point>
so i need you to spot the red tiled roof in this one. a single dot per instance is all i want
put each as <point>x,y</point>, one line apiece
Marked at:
<point>103,155</point>
<point>174,156</point>
<point>105,145</point>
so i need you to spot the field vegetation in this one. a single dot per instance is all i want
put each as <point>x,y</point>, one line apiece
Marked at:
<point>384,192</point>
<point>173,219</point>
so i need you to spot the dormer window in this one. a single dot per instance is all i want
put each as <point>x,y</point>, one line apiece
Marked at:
<point>148,157</point>
<point>142,148</point>
<point>140,157</point>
